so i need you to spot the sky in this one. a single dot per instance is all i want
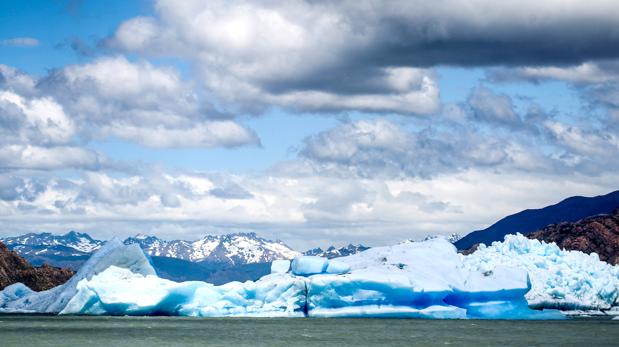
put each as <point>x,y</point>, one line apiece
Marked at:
<point>312,122</point>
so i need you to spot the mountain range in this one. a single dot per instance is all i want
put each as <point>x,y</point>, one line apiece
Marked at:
<point>587,224</point>
<point>333,252</point>
<point>231,249</point>
<point>214,258</point>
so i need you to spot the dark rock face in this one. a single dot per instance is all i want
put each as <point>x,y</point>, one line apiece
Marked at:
<point>599,234</point>
<point>14,268</point>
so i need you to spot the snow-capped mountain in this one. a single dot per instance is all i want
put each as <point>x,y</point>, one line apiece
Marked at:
<point>238,248</point>
<point>333,252</point>
<point>71,243</point>
<point>232,249</point>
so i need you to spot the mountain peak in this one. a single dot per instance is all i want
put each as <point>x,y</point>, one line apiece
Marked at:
<point>233,248</point>
<point>333,252</point>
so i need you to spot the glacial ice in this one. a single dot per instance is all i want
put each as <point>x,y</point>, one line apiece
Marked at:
<point>516,279</point>
<point>280,266</point>
<point>566,280</point>
<point>312,265</point>
<point>309,265</point>
<point>54,300</point>
<point>118,291</point>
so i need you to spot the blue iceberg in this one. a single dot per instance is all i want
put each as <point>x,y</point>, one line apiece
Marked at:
<point>514,279</point>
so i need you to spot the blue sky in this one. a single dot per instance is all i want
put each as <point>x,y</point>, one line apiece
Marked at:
<point>311,122</point>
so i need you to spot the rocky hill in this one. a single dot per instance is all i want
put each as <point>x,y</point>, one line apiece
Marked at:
<point>525,222</point>
<point>599,234</point>
<point>14,268</point>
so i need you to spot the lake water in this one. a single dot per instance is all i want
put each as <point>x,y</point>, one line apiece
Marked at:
<point>175,331</point>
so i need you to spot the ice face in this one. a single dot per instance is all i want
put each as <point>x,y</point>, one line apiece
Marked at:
<point>280,266</point>
<point>566,280</point>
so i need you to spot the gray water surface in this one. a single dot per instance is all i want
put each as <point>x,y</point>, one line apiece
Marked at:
<point>272,332</point>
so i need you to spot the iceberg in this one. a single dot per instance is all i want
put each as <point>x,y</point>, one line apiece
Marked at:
<point>514,279</point>
<point>280,266</point>
<point>565,280</point>
<point>420,279</point>
<point>112,253</point>
<point>309,265</point>
<point>118,291</point>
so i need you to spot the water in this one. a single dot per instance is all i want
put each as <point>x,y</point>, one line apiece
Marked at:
<point>174,331</point>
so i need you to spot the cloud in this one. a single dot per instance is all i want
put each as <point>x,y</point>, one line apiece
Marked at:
<point>491,107</point>
<point>303,210</point>
<point>582,74</point>
<point>36,133</point>
<point>362,55</point>
<point>20,42</point>
<point>13,80</point>
<point>231,191</point>
<point>113,97</point>
<point>35,120</point>
<point>13,188</point>
<point>18,157</point>
<point>295,56</point>
<point>370,148</point>
<point>206,134</point>
<point>596,81</point>
<point>139,102</point>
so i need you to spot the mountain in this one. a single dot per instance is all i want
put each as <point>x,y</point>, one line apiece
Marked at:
<point>14,269</point>
<point>233,249</point>
<point>73,248</point>
<point>71,243</point>
<point>333,252</point>
<point>599,234</point>
<point>215,259</point>
<point>569,210</point>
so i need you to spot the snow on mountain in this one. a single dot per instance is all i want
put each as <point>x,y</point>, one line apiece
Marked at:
<point>232,249</point>
<point>40,243</point>
<point>333,252</point>
<point>155,246</point>
<point>237,248</point>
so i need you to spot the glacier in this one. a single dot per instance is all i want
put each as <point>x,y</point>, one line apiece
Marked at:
<point>514,279</point>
